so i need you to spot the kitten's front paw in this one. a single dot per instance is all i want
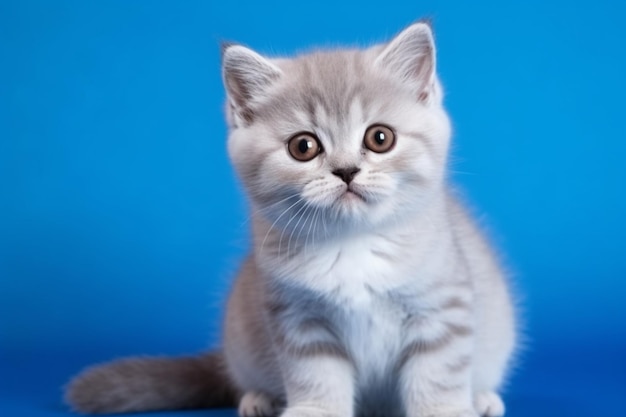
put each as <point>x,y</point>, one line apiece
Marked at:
<point>308,411</point>
<point>461,413</point>
<point>489,404</point>
<point>254,404</point>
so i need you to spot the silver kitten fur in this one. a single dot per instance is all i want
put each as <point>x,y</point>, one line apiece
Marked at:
<point>377,297</point>
<point>369,290</point>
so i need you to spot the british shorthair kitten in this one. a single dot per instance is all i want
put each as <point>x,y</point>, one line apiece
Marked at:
<point>369,290</point>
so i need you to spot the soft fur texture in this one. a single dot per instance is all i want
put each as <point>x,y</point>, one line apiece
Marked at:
<point>368,294</point>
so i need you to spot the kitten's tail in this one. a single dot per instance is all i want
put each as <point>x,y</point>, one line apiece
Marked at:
<point>150,384</point>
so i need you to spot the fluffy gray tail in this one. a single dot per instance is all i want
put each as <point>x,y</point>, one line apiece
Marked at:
<point>150,384</point>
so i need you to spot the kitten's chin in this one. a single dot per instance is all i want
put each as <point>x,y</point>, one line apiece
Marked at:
<point>368,212</point>
<point>354,207</point>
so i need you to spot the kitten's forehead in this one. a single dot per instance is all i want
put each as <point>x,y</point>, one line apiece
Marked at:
<point>327,89</point>
<point>334,74</point>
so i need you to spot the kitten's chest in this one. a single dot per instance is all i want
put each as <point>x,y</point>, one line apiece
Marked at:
<point>360,279</point>
<point>373,332</point>
<point>355,270</point>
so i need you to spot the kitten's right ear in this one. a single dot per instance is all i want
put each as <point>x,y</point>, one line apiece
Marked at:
<point>410,57</point>
<point>246,75</point>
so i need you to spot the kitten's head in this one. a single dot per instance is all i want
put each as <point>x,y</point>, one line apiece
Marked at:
<point>356,138</point>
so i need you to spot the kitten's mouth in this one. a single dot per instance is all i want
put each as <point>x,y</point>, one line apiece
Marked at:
<point>350,194</point>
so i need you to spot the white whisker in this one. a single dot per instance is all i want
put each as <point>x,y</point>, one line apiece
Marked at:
<point>276,221</point>
<point>280,241</point>
<point>306,241</point>
<point>266,208</point>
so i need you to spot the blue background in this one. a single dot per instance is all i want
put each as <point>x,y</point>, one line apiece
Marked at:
<point>121,222</point>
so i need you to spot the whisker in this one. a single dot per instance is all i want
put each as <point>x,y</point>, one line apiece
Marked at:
<point>323,219</point>
<point>266,208</point>
<point>306,219</point>
<point>280,241</point>
<point>318,216</point>
<point>314,217</point>
<point>276,221</point>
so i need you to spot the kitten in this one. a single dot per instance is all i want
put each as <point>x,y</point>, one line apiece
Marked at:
<point>369,290</point>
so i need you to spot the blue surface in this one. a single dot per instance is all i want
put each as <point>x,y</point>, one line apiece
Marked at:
<point>121,223</point>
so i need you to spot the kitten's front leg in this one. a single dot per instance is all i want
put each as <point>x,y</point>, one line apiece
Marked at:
<point>436,376</point>
<point>318,385</point>
<point>316,368</point>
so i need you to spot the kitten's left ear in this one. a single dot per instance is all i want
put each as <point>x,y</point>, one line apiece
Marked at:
<point>410,57</point>
<point>247,76</point>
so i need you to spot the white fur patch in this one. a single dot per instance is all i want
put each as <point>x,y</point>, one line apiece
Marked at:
<point>489,404</point>
<point>254,404</point>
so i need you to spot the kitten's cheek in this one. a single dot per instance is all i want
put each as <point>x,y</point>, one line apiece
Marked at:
<point>377,188</point>
<point>322,195</point>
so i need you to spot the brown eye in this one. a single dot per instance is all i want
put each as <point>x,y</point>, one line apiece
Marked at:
<point>379,138</point>
<point>304,146</point>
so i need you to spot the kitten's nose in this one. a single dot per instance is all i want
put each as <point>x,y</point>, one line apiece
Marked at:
<point>346,174</point>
